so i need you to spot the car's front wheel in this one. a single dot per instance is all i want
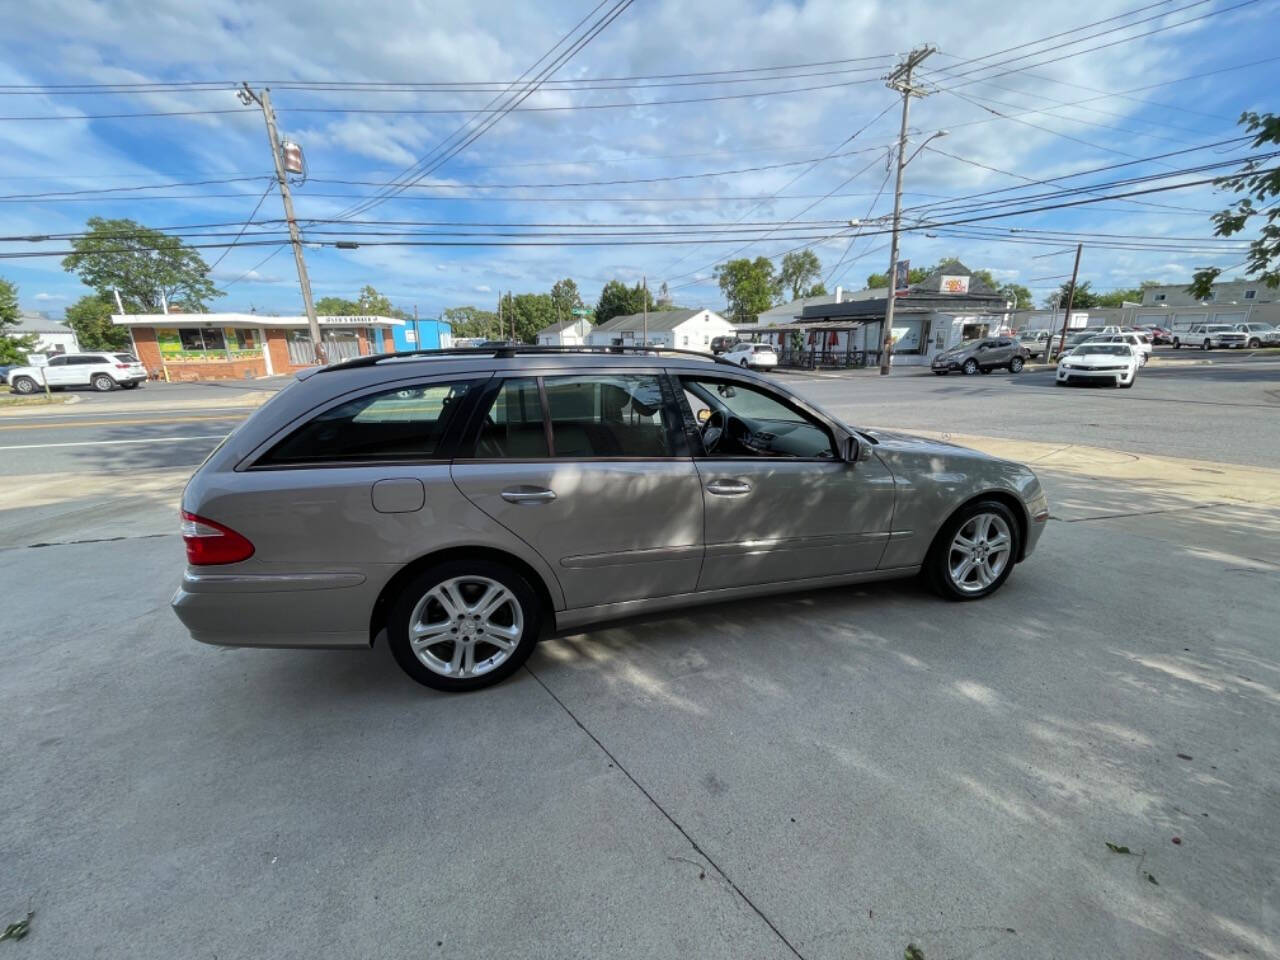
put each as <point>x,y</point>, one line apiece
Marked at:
<point>745,364</point>
<point>464,624</point>
<point>974,552</point>
<point>102,383</point>
<point>1205,345</point>
<point>970,367</point>
<point>1015,365</point>
<point>1177,344</point>
<point>24,385</point>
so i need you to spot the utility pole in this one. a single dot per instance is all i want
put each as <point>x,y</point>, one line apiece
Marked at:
<point>900,80</point>
<point>645,302</point>
<point>417,329</point>
<point>263,100</point>
<point>1071,296</point>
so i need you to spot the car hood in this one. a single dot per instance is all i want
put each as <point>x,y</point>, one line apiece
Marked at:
<point>891,440</point>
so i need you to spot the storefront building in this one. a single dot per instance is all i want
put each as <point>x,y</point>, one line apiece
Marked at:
<point>239,346</point>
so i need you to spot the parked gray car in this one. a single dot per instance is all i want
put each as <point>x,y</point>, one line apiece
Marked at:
<point>464,502</point>
<point>982,356</point>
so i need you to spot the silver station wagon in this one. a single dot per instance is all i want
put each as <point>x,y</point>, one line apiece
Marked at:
<point>466,502</point>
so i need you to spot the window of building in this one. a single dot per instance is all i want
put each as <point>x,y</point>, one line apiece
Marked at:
<point>1250,294</point>
<point>1159,296</point>
<point>407,423</point>
<point>207,343</point>
<point>742,421</point>
<point>513,427</point>
<point>606,415</point>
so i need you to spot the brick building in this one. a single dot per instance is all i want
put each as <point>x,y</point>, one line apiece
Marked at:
<point>236,346</point>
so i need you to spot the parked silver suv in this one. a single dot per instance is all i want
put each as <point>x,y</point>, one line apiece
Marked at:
<point>462,501</point>
<point>982,356</point>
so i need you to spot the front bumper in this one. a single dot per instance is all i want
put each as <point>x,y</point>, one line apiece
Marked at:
<point>1086,375</point>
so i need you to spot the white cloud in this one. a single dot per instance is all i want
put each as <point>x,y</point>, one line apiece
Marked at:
<point>45,297</point>
<point>482,288</point>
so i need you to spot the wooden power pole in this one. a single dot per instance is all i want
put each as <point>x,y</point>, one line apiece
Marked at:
<point>263,99</point>
<point>1071,296</point>
<point>900,80</point>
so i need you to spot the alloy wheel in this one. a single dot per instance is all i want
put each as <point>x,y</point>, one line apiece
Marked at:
<point>465,627</point>
<point>980,551</point>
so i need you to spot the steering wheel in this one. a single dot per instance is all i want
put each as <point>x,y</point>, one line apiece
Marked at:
<point>713,431</point>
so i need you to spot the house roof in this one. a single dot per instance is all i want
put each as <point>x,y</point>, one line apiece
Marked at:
<point>244,320</point>
<point>921,297</point>
<point>658,320</point>
<point>37,323</point>
<point>570,324</point>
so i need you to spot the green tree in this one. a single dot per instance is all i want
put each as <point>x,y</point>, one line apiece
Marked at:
<point>337,307</point>
<point>800,270</point>
<point>147,266</point>
<point>619,300</point>
<point>1116,298</point>
<point>90,318</point>
<point>749,287</point>
<point>1017,293</point>
<point>372,303</point>
<point>1259,181</point>
<point>817,290</point>
<point>1083,299</point>
<point>14,347</point>
<point>565,298</point>
<point>470,322</point>
<point>914,275</point>
<point>524,314</point>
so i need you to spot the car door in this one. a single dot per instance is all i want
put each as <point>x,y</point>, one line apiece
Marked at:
<point>58,371</point>
<point>591,468</point>
<point>780,503</point>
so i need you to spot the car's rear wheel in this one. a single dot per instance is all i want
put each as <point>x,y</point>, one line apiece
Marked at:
<point>1205,345</point>
<point>102,383</point>
<point>974,552</point>
<point>1177,344</point>
<point>1255,343</point>
<point>745,364</point>
<point>1015,365</point>
<point>464,624</point>
<point>24,385</point>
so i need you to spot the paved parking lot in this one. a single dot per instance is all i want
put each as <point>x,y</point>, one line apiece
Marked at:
<point>828,775</point>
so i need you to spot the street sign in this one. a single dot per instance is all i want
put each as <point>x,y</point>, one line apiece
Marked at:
<point>581,311</point>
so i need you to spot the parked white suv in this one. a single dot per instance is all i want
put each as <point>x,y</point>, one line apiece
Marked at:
<point>1206,336</point>
<point>102,371</point>
<point>1259,334</point>
<point>1140,342</point>
<point>758,355</point>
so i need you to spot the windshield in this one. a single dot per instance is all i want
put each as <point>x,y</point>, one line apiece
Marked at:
<point>1219,328</point>
<point>1101,349</point>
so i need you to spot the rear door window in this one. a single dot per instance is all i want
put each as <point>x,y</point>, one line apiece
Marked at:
<point>403,424</point>
<point>609,415</point>
<point>513,427</point>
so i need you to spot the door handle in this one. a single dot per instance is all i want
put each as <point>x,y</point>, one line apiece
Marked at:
<point>524,494</point>
<point>729,488</point>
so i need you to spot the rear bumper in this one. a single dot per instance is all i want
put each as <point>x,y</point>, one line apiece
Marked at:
<point>317,610</point>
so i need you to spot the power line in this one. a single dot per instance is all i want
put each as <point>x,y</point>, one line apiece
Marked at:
<point>260,263</point>
<point>247,221</point>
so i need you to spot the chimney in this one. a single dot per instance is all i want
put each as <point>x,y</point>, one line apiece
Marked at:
<point>839,293</point>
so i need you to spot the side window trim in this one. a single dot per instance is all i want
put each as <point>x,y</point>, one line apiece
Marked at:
<point>444,451</point>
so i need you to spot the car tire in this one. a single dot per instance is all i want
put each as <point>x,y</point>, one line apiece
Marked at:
<point>24,385</point>
<point>466,580</point>
<point>102,383</point>
<point>1015,365</point>
<point>1206,345</point>
<point>945,556</point>
<point>745,365</point>
<point>970,367</point>
<point>131,385</point>
<point>1177,344</point>
<point>1255,343</point>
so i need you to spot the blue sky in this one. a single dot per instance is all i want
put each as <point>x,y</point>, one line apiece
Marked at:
<point>1139,105</point>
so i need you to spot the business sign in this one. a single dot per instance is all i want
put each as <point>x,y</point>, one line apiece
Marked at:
<point>948,284</point>
<point>410,335</point>
<point>1078,320</point>
<point>901,278</point>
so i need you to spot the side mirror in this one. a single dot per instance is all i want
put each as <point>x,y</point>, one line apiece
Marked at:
<point>855,449</point>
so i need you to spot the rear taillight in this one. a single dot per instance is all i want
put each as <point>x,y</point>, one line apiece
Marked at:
<point>122,366</point>
<point>211,543</point>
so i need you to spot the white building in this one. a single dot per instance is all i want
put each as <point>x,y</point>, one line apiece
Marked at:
<point>679,329</point>
<point>52,336</point>
<point>567,333</point>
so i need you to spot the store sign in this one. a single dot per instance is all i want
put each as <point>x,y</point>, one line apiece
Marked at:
<point>954,284</point>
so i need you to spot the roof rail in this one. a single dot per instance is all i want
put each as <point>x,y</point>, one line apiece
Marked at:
<point>507,351</point>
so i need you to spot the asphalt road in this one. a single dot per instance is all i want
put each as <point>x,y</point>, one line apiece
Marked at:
<point>827,775</point>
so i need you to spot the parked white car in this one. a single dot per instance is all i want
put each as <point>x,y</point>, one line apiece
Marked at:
<point>758,355</point>
<point>1100,361</point>
<point>1206,336</point>
<point>1140,343</point>
<point>102,371</point>
<point>1259,334</point>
